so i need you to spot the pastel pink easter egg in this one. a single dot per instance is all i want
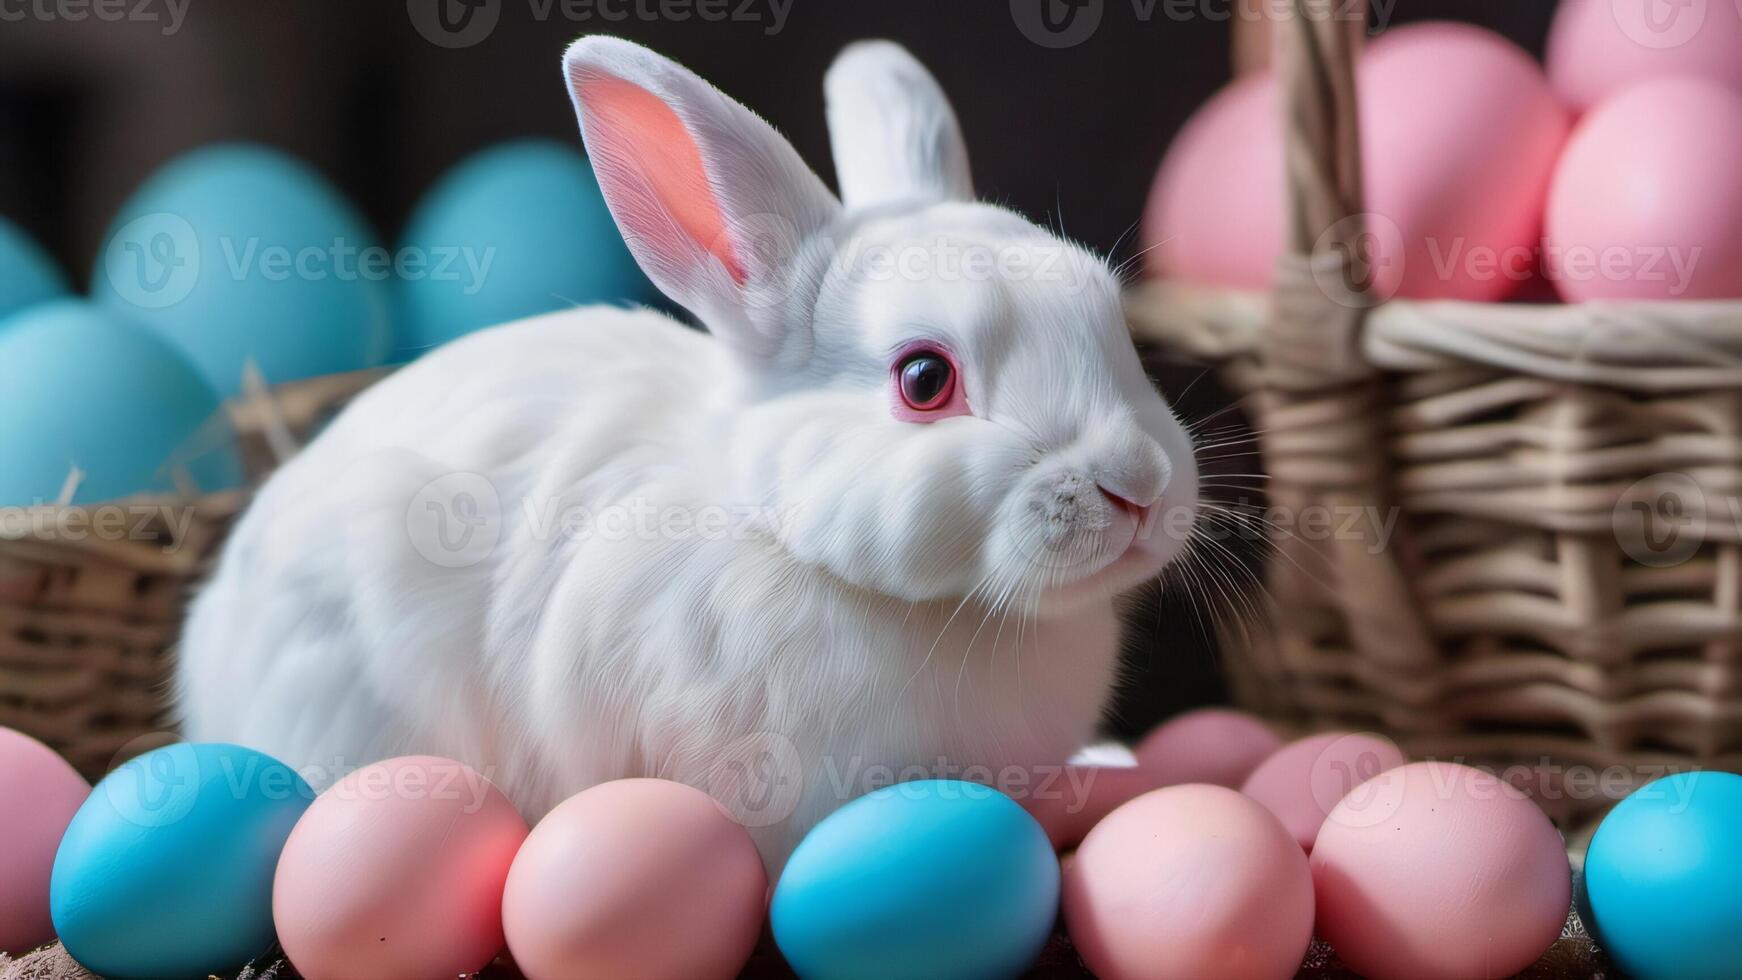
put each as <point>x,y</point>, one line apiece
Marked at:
<point>1647,200</point>
<point>1435,870</point>
<point>397,871</point>
<point>1306,779</point>
<point>1189,881</point>
<point>1596,48</point>
<point>1209,745</point>
<point>39,793</point>
<point>636,878</point>
<point>1069,801</point>
<point>1216,214</point>
<point>1459,135</point>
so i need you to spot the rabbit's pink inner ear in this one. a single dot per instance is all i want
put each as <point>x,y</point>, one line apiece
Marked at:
<point>639,131</point>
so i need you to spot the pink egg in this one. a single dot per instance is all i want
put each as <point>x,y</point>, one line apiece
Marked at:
<point>1438,870</point>
<point>1596,48</point>
<point>397,871</point>
<point>1070,803</point>
<point>1189,881</point>
<point>636,878</point>
<point>1647,201</point>
<point>1459,135</point>
<point>1304,780</point>
<point>1216,214</point>
<point>39,793</point>
<point>1209,745</point>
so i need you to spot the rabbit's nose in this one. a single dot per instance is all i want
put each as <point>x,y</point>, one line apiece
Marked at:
<point>1132,469</point>
<point>1126,504</point>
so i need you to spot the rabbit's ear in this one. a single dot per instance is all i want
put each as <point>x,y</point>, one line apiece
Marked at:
<point>893,133</point>
<point>713,203</point>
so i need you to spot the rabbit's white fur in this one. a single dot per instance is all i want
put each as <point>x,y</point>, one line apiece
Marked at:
<point>721,559</point>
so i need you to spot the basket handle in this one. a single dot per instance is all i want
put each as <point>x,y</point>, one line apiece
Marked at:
<point>1323,281</point>
<point>1310,349</point>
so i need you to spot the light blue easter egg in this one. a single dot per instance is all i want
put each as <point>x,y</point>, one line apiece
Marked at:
<point>166,871</point>
<point>27,275</point>
<point>1663,878</point>
<point>236,253</point>
<point>81,388</point>
<point>934,878</point>
<point>516,230</point>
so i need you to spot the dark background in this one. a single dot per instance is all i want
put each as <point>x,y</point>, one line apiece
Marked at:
<point>89,107</point>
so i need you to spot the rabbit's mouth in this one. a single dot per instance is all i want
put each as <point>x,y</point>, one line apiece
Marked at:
<point>1139,521</point>
<point>1142,544</point>
<point>1158,536</point>
<point>1141,555</point>
<point>1141,513</point>
<point>1091,537</point>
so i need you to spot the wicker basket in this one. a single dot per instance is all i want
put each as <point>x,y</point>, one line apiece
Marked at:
<point>91,598</point>
<point>1563,587</point>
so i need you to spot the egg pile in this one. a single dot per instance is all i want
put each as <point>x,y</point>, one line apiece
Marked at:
<point>516,230</point>
<point>1610,175</point>
<point>235,258</point>
<point>1408,869</point>
<point>192,858</point>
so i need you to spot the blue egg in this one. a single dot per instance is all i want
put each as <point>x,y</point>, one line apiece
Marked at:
<point>27,275</point>
<point>935,878</point>
<point>514,231</point>
<point>166,871</point>
<point>236,253</point>
<point>81,388</point>
<point>1663,878</point>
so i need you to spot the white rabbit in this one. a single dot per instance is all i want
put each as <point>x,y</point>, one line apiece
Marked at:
<point>875,525</point>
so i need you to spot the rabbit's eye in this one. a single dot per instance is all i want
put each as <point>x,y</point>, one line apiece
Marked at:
<point>925,385</point>
<point>926,380</point>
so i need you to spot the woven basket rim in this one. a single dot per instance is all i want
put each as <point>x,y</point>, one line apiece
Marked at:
<point>228,500</point>
<point>40,530</point>
<point>1645,345</point>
